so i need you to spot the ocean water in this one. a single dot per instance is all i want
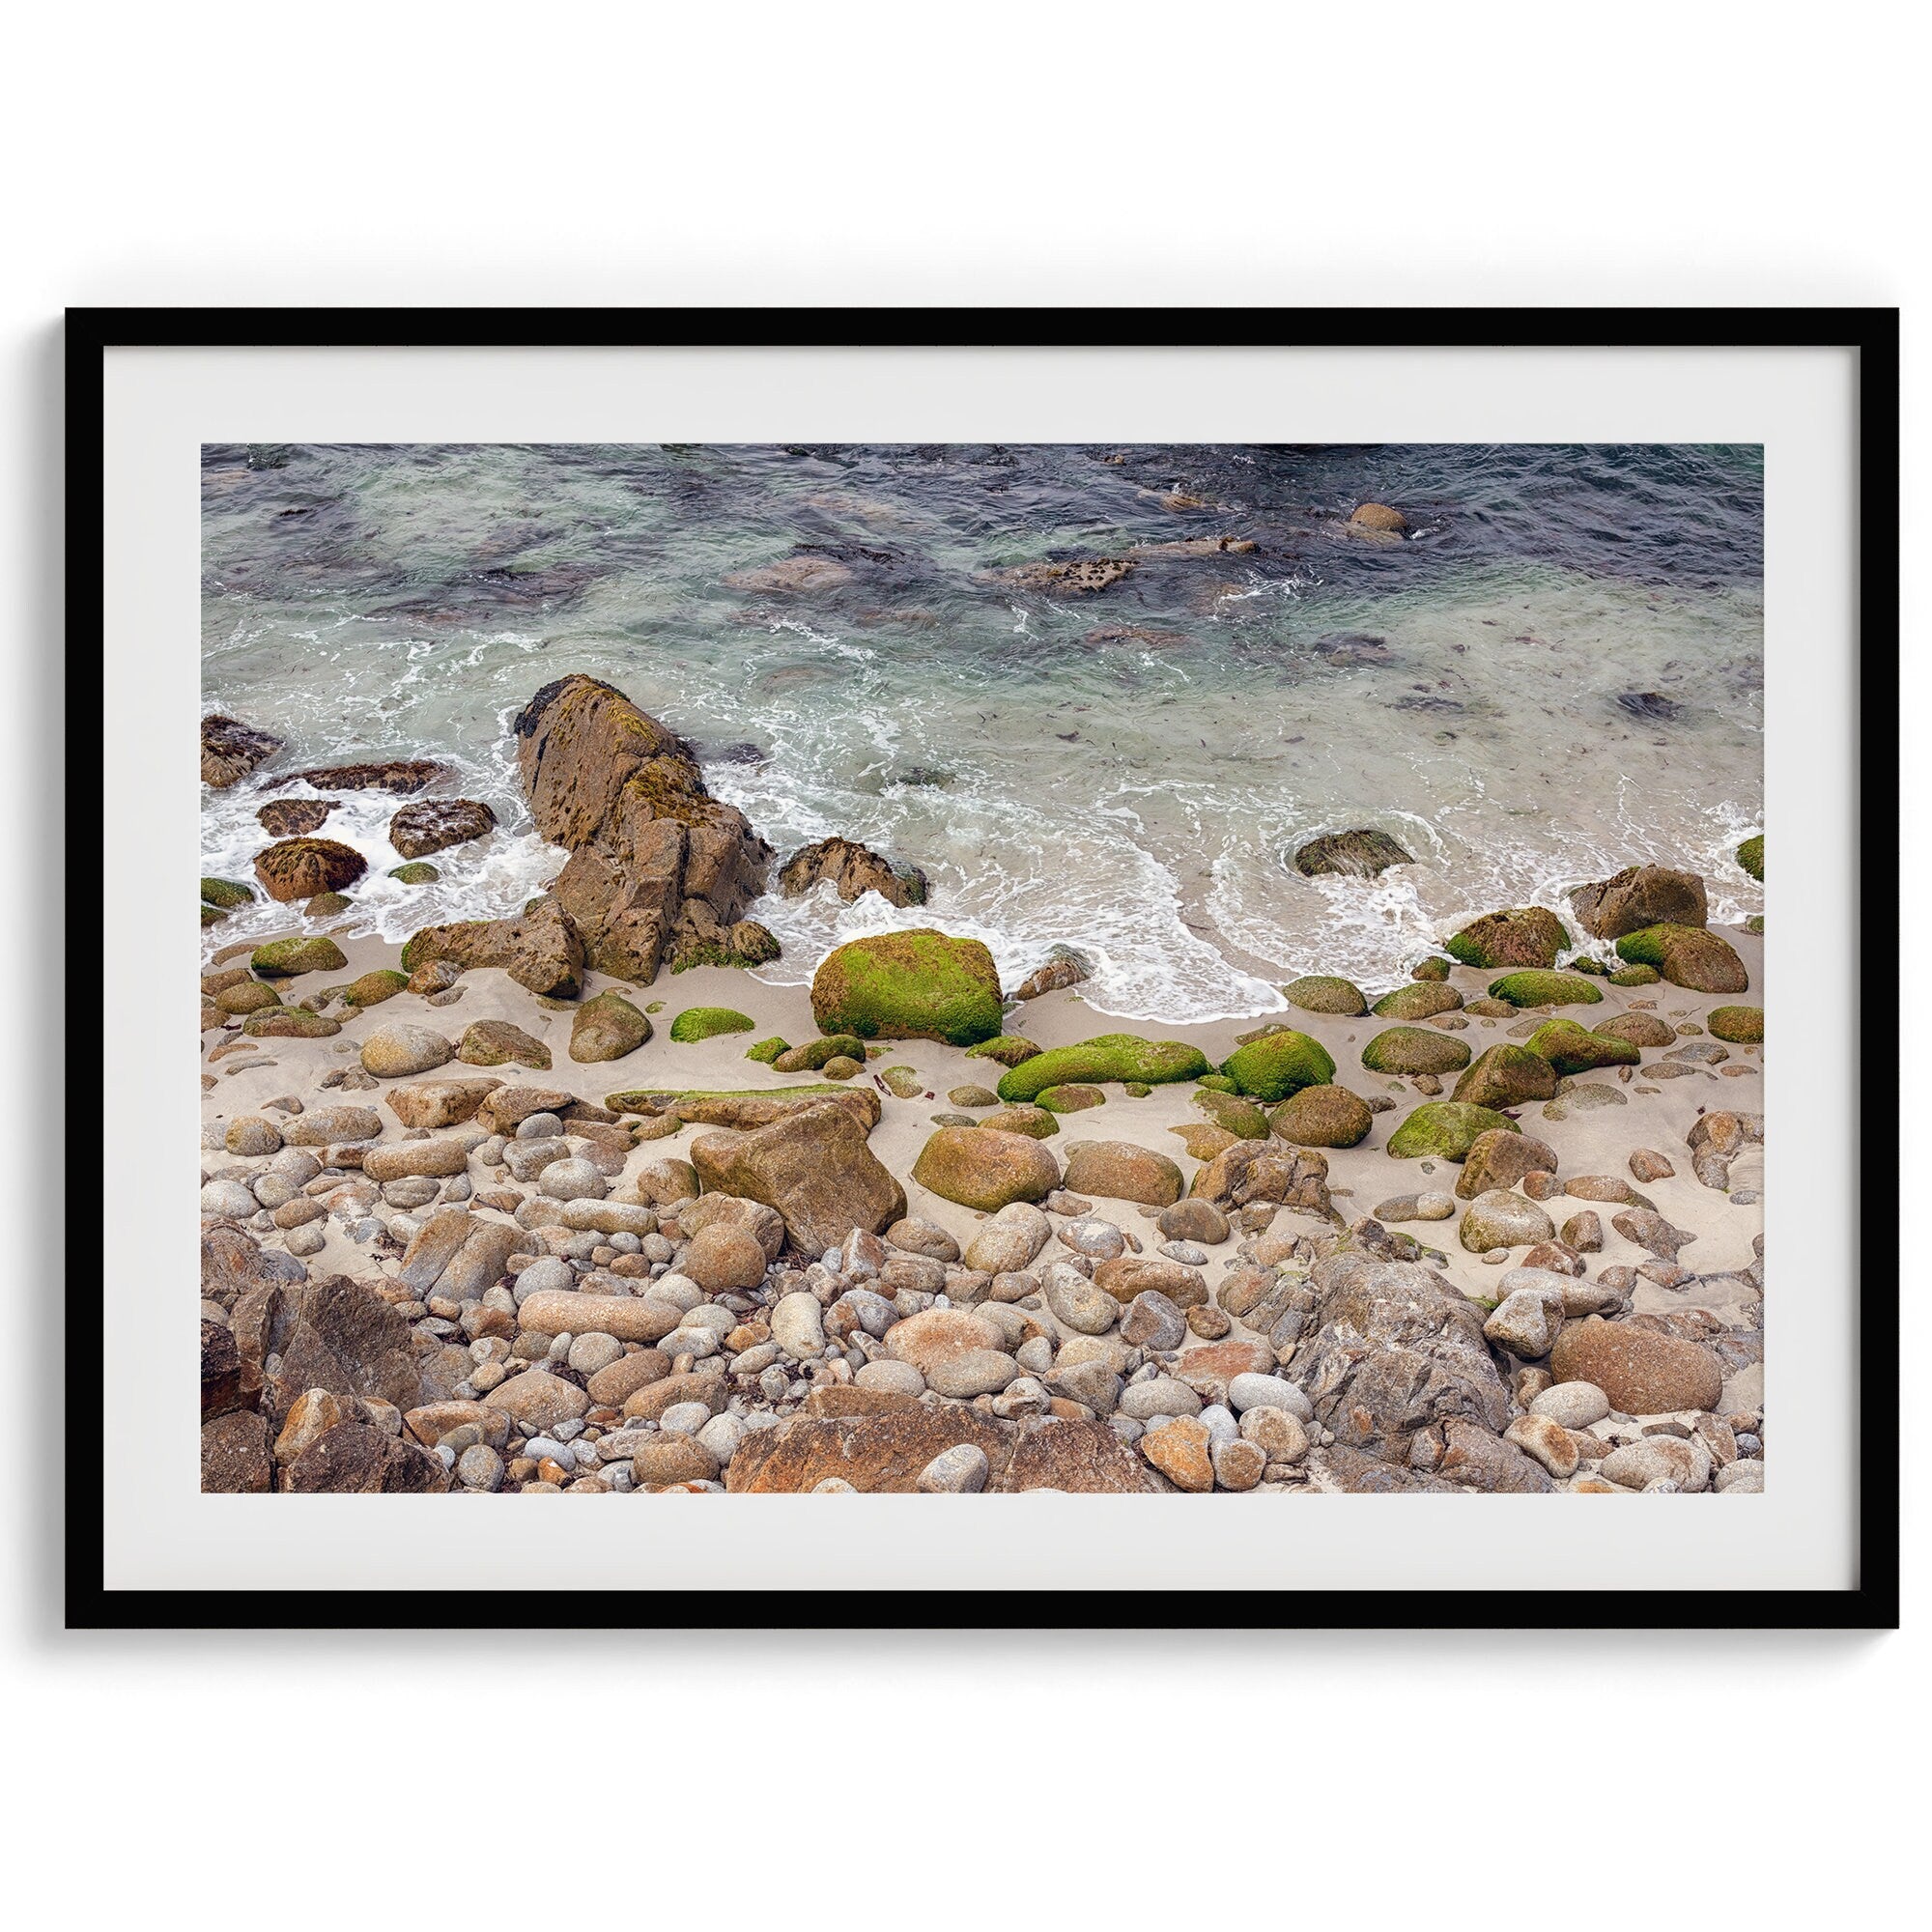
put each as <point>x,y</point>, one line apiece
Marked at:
<point>1556,673</point>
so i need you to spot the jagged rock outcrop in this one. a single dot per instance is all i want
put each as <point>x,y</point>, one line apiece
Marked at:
<point>1637,897</point>
<point>230,749</point>
<point>659,869</point>
<point>853,870</point>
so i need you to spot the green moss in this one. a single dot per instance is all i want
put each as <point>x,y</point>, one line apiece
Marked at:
<point>1523,936</point>
<point>417,872</point>
<point>372,988</point>
<point>212,915</point>
<point>1506,1076</point>
<point>1431,968</point>
<point>1750,856</point>
<point>1755,922</point>
<point>226,893</point>
<point>905,985</point>
<point>1112,1056</point>
<point>1279,1065</point>
<point>1648,947</point>
<point>1414,1050</point>
<point>697,1023</point>
<point>326,905</point>
<point>1008,1048</point>
<point>1741,1026</point>
<point>288,1023</point>
<point>284,958</point>
<point>1635,976</point>
<point>1218,1083</point>
<point>1444,1130</point>
<point>1574,1049</point>
<point>1036,1122</point>
<point>1230,1112</point>
<point>655,1099</point>
<point>815,1054</point>
<point>1321,994</point>
<point>1071,1098</point>
<point>1137,1089</point>
<point>903,1083</point>
<point>767,1050</point>
<point>1420,1000</point>
<point>1546,989</point>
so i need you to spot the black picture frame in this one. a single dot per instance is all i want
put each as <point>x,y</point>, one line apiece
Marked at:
<point>1872,333</point>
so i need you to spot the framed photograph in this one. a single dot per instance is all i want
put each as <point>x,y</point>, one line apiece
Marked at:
<point>1068,967</point>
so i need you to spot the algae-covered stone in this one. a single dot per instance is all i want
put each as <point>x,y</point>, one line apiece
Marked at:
<point>1070,1098</point>
<point>986,1168</point>
<point>1112,1056</point>
<point>247,996</point>
<point>608,1027</point>
<point>1362,854</point>
<point>843,1066</point>
<point>1521,936</point>
<point>226,893</point>
<point>1688,956</point>
<point>373,989</point>
<point>903,1083</point>
<point>767,1050</point>
<point>1506,1076</point>
<point>1635,976</point>
<point>1322,993</point>
<point>905,985</point>
<point>1406,1049</point>
<point>1639,1029</point>
<point>1278,1064</point>
<point>285,958</point>
<point>1120,1171</point>
<point>1218,1083</point>
<point>1574,1049</point>
<point>1546,989</point>
<point>1444,1130</point>
<point>1022,1118</point>
<point>697,1023</point>
<point>326,905</point>
<point>1240,1118</point>
<point>1419,1000</point>
<point>973,1096</point>
<point>1322,1117</point>
<point>1008,1048</point>
<point>816,1054</point>
<point>288,1023</point>
<point>415,873</point>
<point>1431,968</point>
<point>1743,1026</point>
<point>1750,856</point>
<point>212,915</point>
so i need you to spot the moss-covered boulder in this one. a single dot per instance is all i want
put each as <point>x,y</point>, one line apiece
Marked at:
<point>1364,853</point>
<point>923,984</point>
<point>1406,1049</point>
<point>1218,1083</point>
<point>1750,856</point>
<point>1320,993</point>
<point>1008,1048</point>
<point>297,868</point>
<point>1036,1122</point>
<point>1241,1117</point>
<point>607,1026</point>
<point>1521,936</point>
<point>288,1023</point>
<point>285,958</point>
<point>1546,989</point>
<point>212,915</point>
<point>1419,1000</point>
<point>1688,956</point>
<point>814,1055</point>
<point>226,893</point>
<point>1574,1049</point>
<point>247,996</point>
<point>373,989</point>
<point>1635,976</point>
<point>415,873</point>
<point>697,1023</point>
<point>1638,1029</point>
<point>1110,1056</point>
<point>1444,1130</point>
<point>768,1050</point>
<point>1431,968</point>
<point>1506,1076</point>
<point>1071,1097</point>
<point>1743,1026</point>
<point>1278,1064</point>
<point>1322,1117</point>
<point>326,905</point>
<point>986,1168</point>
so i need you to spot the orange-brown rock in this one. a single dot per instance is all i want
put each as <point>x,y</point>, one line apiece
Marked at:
<point>813,1166</point>
<point>540,949</point>
<point>230,749</point>
<point>297,868</point>
<point>1642,1373</point>
<point>853,870</point>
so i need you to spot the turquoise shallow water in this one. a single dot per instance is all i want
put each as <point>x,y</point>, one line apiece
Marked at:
<point>1557,673</point>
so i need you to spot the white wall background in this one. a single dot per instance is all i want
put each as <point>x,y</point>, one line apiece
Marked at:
<point>610,153</point>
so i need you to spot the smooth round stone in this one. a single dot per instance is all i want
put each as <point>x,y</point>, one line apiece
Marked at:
<point>1435,1207</point>
<point>573,1180</point>
<point>1746,1475</point>
<point>228,1198</point>
<point>1185,1253</point>
<point>546,1277</point>
<point>1162,1395</point>
<point>296,1166</point>
<point>679,1289</point>
<point>274,1191</point>
<point>798,1325</point>
<point>961,1471</point>
<point>899,1377</point>
<point>252,1134</point>
<point>722,1436</point>
<point>686,1417</point>
<point>479,1467</point>
<point>592,1351</point>
<point>1100,1240</point>
<point>542,1448</point>
<point>307,1240</point>
<point>1252,1391</point>
<point>834,1485</point>
<point>1572,1405</point>
<point>1219,1423</point>
<point>1035,1355</point>
<point>539,1127</point>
